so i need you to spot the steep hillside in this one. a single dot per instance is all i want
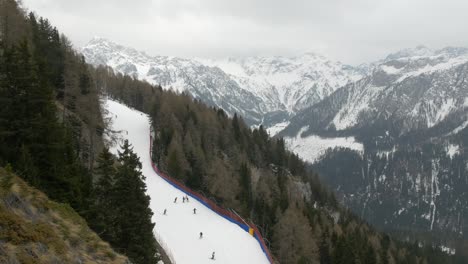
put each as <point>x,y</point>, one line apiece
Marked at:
<point>34,229</point>
<point>417,192</point>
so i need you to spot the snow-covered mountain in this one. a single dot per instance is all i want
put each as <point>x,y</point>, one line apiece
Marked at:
<point>414,89</point>
<point>209,84</point>
<point>289,83</point>
<point>404,127</point>
<point>265,90</point>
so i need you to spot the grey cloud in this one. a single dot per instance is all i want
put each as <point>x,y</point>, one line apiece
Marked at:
<point>352,31</point>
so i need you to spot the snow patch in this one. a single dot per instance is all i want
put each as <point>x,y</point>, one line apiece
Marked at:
<point>435,191</point>
<point>275,129</point>
<point>441,112</point>
<point>390,69</point>
<point>312,147</point>
<point>452,150</point>
<point>459,128</point>
<point>450,251</point>
<point>359,101</point>
<point>445,65</point>
<point>386,153</point>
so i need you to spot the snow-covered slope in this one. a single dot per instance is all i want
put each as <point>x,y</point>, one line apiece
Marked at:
<point>178,231</point>
<point>264,90</point>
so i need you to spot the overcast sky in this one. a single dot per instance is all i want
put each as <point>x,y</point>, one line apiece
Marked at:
<point>352,31</point>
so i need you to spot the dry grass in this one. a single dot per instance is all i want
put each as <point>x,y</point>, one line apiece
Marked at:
<point>34,229</point>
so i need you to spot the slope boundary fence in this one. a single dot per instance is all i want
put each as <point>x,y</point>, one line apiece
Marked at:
<point>226,214</point>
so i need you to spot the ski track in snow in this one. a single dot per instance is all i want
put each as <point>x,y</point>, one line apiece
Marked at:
<point>179,230</point>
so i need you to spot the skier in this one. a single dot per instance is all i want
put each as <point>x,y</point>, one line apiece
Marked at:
<point>186,198</point>
<point>201,235</point>
<point>165,211</point>
<point>213,256</point>
<point>175,200</point>
<point>194,210</point>
<point>183,199</point>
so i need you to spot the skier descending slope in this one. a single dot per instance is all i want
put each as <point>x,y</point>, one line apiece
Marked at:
<point>232,244</point>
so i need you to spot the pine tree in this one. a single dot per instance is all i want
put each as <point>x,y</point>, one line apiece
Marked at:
<point>245,179</point>
<point>324,249</point>
<point>85,80</point>
<point>134,228</point>
<point>177,164</point>
<point>236,128</point>
<point>104,209</point>
<point>370,256</point>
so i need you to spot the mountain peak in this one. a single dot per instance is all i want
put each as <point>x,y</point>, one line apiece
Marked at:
<point>258,85</point>
<point>314,54</point>
<point>98,40</point>
<point>418,51</point>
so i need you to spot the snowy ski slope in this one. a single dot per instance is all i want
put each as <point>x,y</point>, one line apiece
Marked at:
<point>179,230</point>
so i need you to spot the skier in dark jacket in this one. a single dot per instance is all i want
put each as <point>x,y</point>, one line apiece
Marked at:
<point>194,210</point>
<point>213,256</point>
<point>175,200</point>
<point>201,235</point>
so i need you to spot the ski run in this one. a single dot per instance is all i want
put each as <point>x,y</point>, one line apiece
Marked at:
<point>178,231</point>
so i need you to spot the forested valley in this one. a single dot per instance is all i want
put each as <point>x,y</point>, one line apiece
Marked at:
<point>52,129</point>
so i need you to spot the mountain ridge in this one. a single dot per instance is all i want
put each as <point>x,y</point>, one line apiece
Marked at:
<point>264,90</point>
<point>410,114</point>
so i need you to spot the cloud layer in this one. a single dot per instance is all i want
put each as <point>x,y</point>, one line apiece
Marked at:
<point>353,31</point>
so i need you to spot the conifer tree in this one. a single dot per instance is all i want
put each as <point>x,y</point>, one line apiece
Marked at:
<point>134,227</point>
<point>245,179</point>
<point>104,210</point>
<point>324,250</point>
<point>236,128</point>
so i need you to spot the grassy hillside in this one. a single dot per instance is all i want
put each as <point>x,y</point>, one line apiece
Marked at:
<point>34,229</point>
